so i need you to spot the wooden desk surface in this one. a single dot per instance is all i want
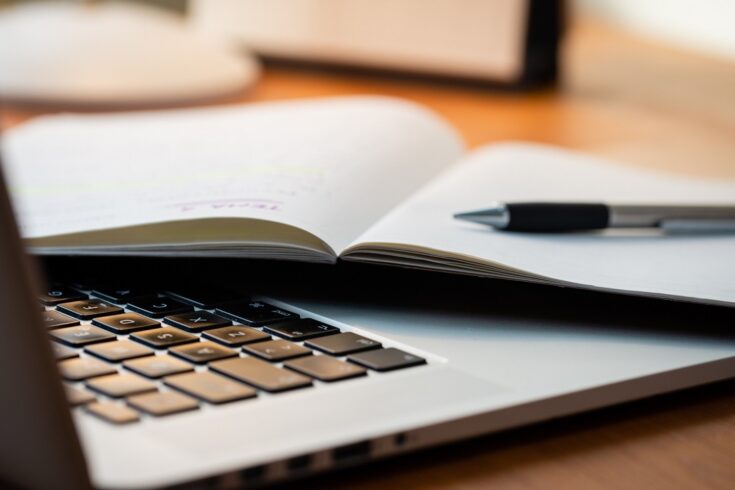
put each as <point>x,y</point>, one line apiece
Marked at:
<point>627,99</point>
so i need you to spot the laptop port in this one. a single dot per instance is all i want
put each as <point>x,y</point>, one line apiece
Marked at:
<point>352,452</point>
<point>299,463</point>
<point>253,474</point>
<point>399,439</point>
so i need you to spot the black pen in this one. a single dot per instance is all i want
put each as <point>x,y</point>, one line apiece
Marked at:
<point>560,217</point>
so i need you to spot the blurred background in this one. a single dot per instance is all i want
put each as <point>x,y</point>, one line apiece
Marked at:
<point>705,25</point>
<point>173,5</point>
<point>643,82</point>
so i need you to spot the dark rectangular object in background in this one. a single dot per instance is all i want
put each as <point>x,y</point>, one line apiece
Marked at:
<point>502,43</point>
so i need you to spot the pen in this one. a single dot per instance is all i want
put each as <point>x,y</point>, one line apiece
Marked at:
<point>559,217</point>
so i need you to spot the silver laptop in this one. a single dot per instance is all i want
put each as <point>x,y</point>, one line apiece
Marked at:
<point>119,385</point>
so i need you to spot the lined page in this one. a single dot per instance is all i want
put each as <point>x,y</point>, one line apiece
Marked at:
<point>422,232</point>
<point>331,167</point>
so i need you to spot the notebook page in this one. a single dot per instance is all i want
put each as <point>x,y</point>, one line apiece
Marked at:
<point>423,233</point>
<point>330,166</point>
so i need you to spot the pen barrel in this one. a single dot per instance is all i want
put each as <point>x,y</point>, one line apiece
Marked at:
<point>637,215</point>
<point>556,217</point>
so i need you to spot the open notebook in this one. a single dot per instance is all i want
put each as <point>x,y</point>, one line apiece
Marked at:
<point>363,178</point>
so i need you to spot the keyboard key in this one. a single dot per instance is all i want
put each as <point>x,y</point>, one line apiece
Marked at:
<point>343,343</point>
<point>202,352</point>
<point>260,374</point>
<point>325,368</point>
<point>305,328</point>
<point>157,366</point>
<point>236,335</point>
<point>125,323</point>
<point>60,294</point>
<point>81,335</point>
<point>197,321</point>
<point>159,307</point>
<point>122,295</point>
<point>120,350</point>
<point>206,299</point>
<point>113,412</point>
<point>77,397</point>
<point>62,352</point>
<point>81,368</point>
<point>163,403</point>
<point>276,350</point>
<point>56,319</point>
<point>386,359</point>
<point>119,385</point>
<point>164,337</point>
<point>89,308</point>
<point>254,313</point>
<point>210,387</point>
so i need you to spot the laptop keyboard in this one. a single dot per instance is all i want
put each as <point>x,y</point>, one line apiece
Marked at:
<point>129,354</point>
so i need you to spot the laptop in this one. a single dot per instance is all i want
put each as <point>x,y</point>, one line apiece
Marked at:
<point>136,377</point>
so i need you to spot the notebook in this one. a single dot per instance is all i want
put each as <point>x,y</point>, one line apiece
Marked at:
<point>367,179</point>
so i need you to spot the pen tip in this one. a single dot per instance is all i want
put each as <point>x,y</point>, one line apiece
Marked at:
<point>497,216</point>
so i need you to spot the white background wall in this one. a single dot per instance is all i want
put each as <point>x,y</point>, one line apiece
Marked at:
<point>706,25</point>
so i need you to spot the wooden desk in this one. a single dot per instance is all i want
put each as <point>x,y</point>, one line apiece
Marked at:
<point>627,99</point>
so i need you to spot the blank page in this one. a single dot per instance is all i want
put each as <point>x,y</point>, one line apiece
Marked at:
<point>331,167</point>
<point>422,232</point>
